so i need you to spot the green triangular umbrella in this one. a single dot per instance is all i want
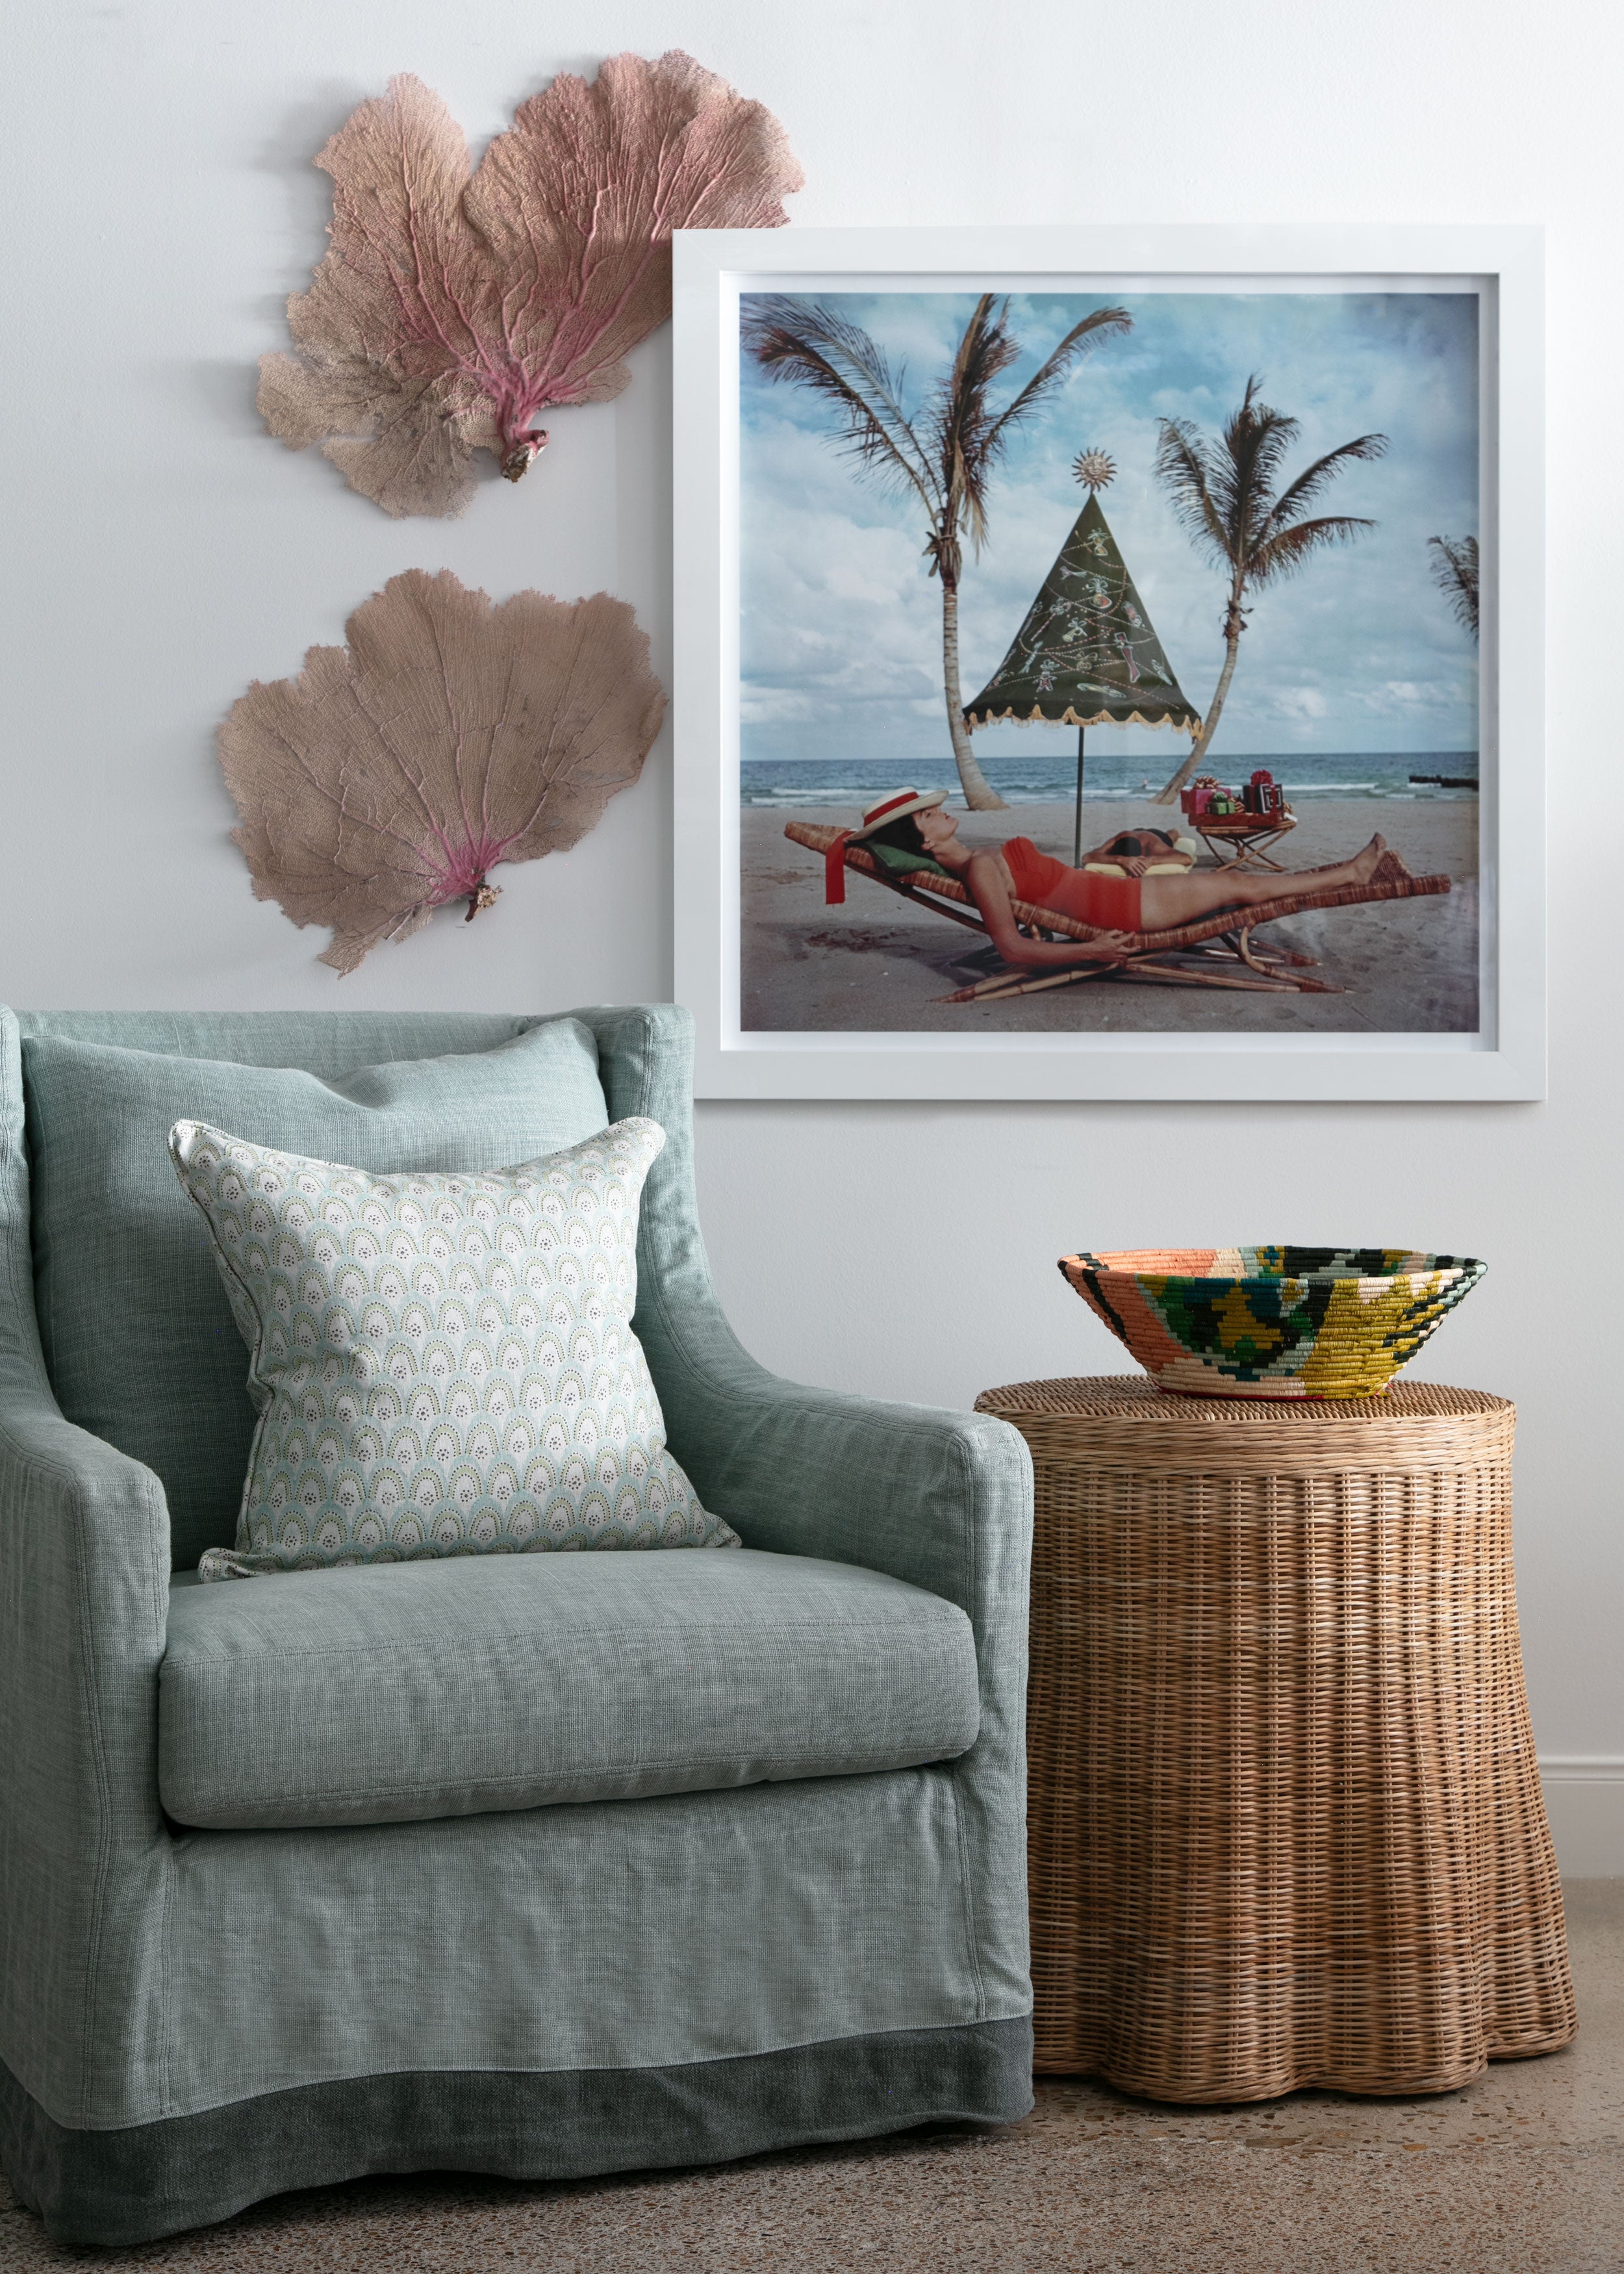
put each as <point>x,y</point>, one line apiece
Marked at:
<point>1087,650</point>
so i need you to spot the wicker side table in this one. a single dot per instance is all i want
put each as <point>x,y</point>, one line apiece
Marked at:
<point>1285,1823</point>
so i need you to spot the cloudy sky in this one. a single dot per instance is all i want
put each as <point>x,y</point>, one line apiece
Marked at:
<point>841,632</point>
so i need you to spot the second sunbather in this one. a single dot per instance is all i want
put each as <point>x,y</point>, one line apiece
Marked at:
<point>1133,903</point>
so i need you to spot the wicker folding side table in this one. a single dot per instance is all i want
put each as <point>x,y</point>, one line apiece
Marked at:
<point>1285,1823</point>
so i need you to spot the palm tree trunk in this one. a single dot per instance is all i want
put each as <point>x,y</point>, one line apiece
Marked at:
<point>1214,711</point>
<point>979,795</point>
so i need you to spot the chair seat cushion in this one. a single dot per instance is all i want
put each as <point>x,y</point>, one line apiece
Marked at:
<point>383,1694</point>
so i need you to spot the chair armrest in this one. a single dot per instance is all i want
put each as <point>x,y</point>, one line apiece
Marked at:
<point>941,1499</point>
<point>84,1609</point>
<point>84,1612</point>
<point>84,1606</point>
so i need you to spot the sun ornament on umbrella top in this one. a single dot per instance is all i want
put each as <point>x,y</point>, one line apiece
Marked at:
<point>1094,468</point>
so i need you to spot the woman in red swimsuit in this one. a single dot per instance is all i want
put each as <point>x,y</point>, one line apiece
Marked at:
<point>996,878</point>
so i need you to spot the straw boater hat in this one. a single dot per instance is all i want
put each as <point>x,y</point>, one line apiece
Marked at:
<point>895,808</point>
<point>900,802</point>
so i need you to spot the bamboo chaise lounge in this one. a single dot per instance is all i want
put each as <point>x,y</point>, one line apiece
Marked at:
<point>1219,951</point>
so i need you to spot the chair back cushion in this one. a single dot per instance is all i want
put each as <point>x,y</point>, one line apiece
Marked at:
<point>136,1332</point>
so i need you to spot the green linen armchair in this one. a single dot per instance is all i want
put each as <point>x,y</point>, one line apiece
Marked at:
<point>727,1952</point>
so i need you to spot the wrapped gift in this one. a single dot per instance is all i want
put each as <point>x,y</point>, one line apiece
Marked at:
<point>1223,805</point>
<point>1199,794</point>
<point>1263,795</point>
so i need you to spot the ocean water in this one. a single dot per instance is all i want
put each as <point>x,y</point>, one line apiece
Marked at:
<point>1048,775</point>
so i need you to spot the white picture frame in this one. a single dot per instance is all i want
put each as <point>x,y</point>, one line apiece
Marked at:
<point>1504,264</point>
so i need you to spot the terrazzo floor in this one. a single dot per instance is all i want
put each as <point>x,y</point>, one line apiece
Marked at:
<point>1522,2173</point>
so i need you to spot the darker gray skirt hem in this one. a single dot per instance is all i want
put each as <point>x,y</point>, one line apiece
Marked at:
<point>147,2180</point>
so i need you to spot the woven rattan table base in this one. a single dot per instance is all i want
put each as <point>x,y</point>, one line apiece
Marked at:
<point>1286,1827</point>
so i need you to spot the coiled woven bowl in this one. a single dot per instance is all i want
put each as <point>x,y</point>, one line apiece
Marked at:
<point>1272,1321</point>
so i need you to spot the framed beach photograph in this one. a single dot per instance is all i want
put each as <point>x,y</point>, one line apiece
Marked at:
<point>1109,662</point>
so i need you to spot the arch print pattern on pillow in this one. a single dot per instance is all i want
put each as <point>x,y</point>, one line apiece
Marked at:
<point>443,1364</point>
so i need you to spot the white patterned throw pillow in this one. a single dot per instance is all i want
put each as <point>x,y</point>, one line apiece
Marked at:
<point>443,1364</point>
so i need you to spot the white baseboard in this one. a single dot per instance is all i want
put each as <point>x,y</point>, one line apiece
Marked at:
<point>1584,1799</point>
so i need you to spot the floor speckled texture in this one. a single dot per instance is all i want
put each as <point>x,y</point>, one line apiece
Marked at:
<point>1521,2174</point>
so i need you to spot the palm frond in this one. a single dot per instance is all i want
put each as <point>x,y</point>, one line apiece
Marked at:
<point>1255,441</point>
<point>1455,572</point>
<point>838,361</point>
<point>1182,469</point>
<point>1099,324</point>
<point>1292,501</point>
<point>960,422</point>
<point>1284,552</point>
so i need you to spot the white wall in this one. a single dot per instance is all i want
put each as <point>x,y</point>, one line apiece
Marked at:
<point>160,552</point>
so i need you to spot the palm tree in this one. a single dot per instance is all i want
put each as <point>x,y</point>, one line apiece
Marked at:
<point>1224,494</point>
<point>944,456</point>
<point>1455,572</point>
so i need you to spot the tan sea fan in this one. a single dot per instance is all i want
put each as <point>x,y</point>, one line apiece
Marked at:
<point>451,733</point>
<point>452,307</point>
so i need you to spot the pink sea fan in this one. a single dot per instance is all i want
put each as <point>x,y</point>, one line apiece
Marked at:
<point>449,733</point>
<point>452,307</point>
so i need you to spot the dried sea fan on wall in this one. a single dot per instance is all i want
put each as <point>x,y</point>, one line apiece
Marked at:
<point>452,732</point>
<point>452,307</point>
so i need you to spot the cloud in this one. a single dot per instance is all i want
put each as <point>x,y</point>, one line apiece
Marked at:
<point>841,631</point>
<point>1405,697</point>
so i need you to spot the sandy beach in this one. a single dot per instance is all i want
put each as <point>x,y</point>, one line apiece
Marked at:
<point>878,964</point>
